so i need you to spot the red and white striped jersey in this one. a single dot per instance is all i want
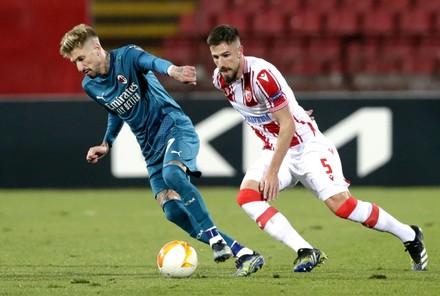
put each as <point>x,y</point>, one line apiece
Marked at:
<point>260,91</point>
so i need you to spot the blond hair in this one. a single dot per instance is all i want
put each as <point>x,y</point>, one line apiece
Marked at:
<point>76,38</point>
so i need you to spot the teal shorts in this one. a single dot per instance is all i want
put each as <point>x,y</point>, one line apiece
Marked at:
<point>176,140</point>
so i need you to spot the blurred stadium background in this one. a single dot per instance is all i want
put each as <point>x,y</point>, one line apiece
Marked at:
<point>376,53</point>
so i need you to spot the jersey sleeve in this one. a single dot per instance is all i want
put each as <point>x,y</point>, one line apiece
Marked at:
<point>146,61</point>
<point>270,88</point>
<point>114,126</point>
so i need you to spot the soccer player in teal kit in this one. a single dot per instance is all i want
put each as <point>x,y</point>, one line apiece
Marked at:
<point>123,82</point>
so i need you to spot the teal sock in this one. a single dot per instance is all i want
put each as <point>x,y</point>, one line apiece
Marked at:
<point>175,212</point>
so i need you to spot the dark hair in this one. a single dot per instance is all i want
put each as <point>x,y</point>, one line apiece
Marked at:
<point>223,33</point>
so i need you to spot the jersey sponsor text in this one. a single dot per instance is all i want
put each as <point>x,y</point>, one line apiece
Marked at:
<point>126,100</point>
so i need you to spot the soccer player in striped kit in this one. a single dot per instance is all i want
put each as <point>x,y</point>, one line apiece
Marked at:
<point>294,151</point>
<point>122,81</point>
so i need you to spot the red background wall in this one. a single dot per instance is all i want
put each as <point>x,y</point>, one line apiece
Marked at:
<point>31,31</point>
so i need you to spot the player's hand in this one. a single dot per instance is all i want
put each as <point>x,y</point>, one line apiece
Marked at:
<point>185,74</point>
<point>269,187</point>
<point>97,152</point>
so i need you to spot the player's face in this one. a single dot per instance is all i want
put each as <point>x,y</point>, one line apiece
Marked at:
<point>87,59</point>
<point>228,58</point>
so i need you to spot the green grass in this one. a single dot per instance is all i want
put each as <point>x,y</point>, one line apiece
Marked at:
<point>105,242</point>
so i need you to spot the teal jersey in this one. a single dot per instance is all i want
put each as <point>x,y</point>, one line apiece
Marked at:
<point>131,93</point>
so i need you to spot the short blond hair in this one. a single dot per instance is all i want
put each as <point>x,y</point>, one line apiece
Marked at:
<point>76,38</point>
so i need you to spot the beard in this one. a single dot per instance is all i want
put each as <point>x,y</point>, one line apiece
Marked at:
<point>93,71</point>
<point>229,75</point>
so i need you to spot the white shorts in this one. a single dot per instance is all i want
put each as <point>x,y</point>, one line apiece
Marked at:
<point>314,163</point>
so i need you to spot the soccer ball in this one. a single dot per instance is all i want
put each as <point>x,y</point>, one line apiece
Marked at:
<point>177,259</point>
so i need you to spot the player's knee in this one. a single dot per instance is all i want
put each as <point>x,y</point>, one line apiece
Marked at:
<point>167,195</point>
<point>247,195</point>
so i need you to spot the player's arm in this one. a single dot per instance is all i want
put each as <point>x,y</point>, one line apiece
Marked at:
<point>114,126</point>
<point>269,184</point>
<point>147,61</point>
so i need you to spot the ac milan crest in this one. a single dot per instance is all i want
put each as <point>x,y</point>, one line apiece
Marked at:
<point>122,79</point>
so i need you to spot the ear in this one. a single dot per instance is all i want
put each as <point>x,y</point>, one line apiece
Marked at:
<point>240,50</point>
<point>96,46</point>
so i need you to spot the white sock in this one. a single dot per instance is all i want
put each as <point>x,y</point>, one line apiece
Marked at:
<point>275,224</point>
<point>383,220</point>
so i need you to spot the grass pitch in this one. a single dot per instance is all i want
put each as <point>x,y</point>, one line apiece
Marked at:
<point>105,242</point>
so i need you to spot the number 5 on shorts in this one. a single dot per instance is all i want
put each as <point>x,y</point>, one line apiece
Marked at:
<point>326,165</point>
